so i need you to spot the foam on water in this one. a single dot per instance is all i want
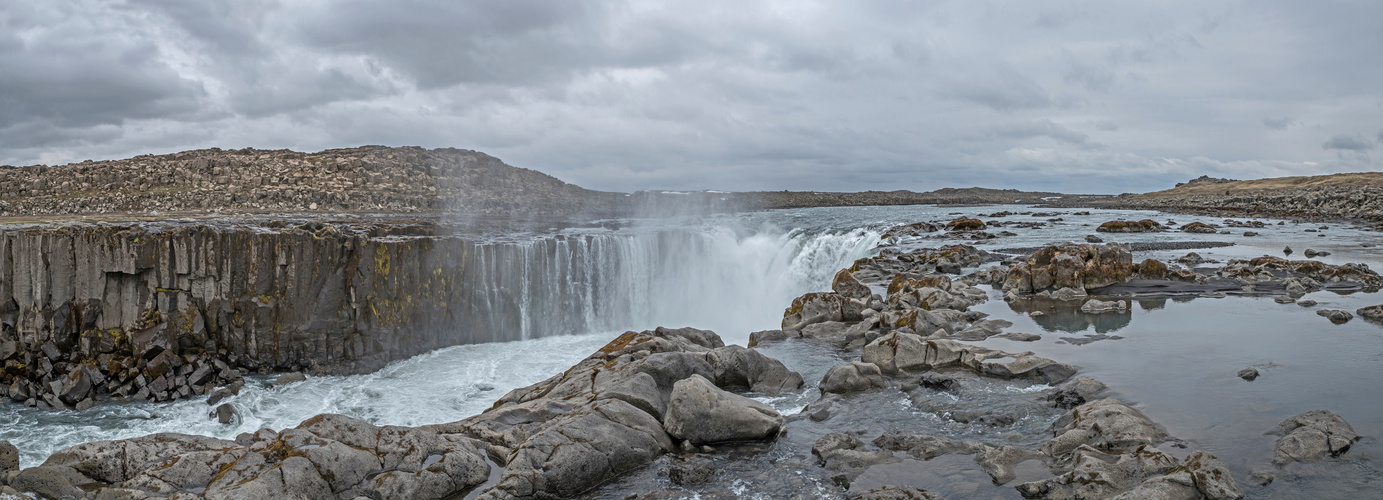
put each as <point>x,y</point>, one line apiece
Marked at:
<point>441,386</point>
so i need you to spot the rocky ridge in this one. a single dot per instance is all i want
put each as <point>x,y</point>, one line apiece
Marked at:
<point>1348,195</point>
<point>373,179</point>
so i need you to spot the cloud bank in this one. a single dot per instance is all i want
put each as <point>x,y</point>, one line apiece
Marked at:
<point>1076,96</point>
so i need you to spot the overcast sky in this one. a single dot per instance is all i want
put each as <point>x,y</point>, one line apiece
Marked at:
<point>1075,96</point>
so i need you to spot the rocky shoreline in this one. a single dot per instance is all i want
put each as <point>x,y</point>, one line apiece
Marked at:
<point>671,402</point>
<point>1354,197</point>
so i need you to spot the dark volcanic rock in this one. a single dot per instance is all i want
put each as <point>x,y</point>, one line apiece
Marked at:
<point>1336,316</point>
<point>1249,374</point>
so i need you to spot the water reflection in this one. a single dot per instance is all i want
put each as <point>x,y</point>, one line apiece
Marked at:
<point>1066,316</point>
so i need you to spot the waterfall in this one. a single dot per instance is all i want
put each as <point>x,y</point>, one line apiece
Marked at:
<point>715,277</point>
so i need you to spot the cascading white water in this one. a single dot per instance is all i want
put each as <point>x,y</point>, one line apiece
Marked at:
<point>716,278</point>
<point>550,291</point>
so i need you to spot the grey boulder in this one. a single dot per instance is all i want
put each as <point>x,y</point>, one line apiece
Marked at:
<point>850,378</point>
<point>702,413</point>
<point>9,458</point>
<point>741,367</point>
<point>1312,435</point>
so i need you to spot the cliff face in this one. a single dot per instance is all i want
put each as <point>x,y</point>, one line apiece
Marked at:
<point>369,178</point>
<point>134,311</point>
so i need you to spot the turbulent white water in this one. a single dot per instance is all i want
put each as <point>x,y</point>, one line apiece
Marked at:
<point>717,277</point>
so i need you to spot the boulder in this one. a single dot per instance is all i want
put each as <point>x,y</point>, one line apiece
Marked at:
<point>1248,374</point>
<point>691,471</point>
<point>9,458</point>
<point>1121,226</point>
<point>834,441</point>
<point>965,224</point>
<point>766,336</point>
<point>701,413</point>
<point>1103,424</point>
<point>899,352</point>
<point>1090,238</point>
<point>812,308</point>
<point>1336,316</point>
<point>1199,227</point>
<point>910,230</point>
<point>850,378</point>
<point>1371,313</point>
<point>1075,392</point>
<point>845,285</point>
<point>225,414</point>
<point>1078,266</point>
<point>289,378</point>
<point>46,482</point>
<point>1312,435</point>
<point>738,367</point>
<point>1212,478</point>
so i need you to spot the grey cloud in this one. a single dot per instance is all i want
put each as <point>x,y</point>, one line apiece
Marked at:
<point>1279,123</point>
<point>64,73</point>
<point>1094,77</point>
<point>1005,89</point>
<point>725,94</point>
<point>443,43</point>
<point>1043,128</point>
<point>1356,142</point>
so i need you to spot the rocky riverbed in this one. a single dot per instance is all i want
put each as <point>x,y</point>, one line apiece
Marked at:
<point>911,377</point>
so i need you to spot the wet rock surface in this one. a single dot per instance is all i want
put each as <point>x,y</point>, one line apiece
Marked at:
<point>1312,435</point>
<point>328,456</point>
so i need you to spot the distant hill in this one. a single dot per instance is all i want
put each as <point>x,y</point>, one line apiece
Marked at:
<point>383,180</point>
<point>1355,195</point>
<point>373,179</point>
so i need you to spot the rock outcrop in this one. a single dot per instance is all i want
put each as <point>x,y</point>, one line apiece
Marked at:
<point>634,399</point>
<point>898,352</point>
<point>326,457</point>
<point>1071,265</point>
